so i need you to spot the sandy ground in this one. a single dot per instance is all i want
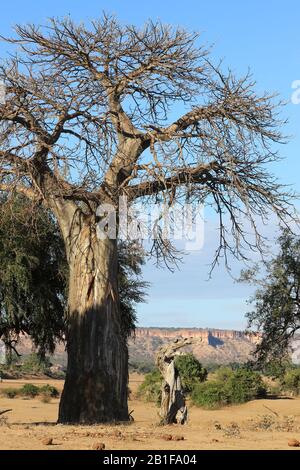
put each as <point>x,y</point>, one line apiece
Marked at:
<point>260,424</point>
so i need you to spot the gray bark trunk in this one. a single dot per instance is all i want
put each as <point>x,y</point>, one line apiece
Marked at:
<point>96,382</point>
<point>173,407</point>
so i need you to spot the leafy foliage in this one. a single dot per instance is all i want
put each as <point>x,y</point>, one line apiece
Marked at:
<point>49,390</point>
<point>132,289</point>
<point>34,364</point>
<point>32,275</point>
<point>142,367</point>
<point>244,385</point>
<point>209,395</point>
<point>190,370</point>
<point>150,389</point>
<point>276,312</point>
<point>29,390</point>
<point>291,381</point>
<point>229,387</point>
<point>223,373</point>
<point>9,392</point>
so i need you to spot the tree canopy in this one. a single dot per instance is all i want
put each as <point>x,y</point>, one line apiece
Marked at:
<point>276,302</point>
<point>87,118</point>
<point>33,275</point>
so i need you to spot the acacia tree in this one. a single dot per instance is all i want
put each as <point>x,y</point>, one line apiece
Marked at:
<point>87,118</point>
<point>33,276</point>
<point>276,302</point>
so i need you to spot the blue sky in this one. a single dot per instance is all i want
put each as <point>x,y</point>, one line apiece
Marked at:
<point>261,35</point>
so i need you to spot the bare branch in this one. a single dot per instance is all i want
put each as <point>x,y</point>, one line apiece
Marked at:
<point>87,119</point>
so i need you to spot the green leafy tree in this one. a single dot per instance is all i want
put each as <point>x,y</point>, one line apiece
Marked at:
<point>32,275</point>
<point>291,381</point>
<point>276,312</point>
<point>34,279</point>
<point>150,388</point>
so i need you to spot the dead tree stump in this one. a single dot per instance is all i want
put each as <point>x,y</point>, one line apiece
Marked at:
<point>173,407</point>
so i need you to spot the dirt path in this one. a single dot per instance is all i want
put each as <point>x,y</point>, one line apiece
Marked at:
<point>260,424</point>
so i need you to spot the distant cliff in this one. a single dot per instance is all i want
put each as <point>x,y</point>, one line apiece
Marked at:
<point>216,346</point>
<point>205,334</point>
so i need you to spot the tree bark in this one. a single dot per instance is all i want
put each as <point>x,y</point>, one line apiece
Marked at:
<point>173,407</point>
<point>96,382</point>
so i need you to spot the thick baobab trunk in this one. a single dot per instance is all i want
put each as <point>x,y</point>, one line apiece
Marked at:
<point>95,389</point>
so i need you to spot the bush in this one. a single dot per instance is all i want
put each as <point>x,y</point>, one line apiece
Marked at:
<point>33,364</point>
<point>229,387</point>
<point>10,392</point>
<point>191,371</point>
<point>49,390</point>
<point>274,389</point>
<point>29,390</point>
<point>244,385</point>
<point>142,367</point>
<point>223,373</point>
<point>150,389</point>
<point>291,381</point>
<point>209,395</point>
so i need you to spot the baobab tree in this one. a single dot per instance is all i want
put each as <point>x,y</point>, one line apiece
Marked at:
<point>88,118</point>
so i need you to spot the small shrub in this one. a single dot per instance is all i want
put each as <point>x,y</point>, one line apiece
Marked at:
<point>233,430</point>
<point>33,364</point>
<point>150,389</point>
<point>3,421</point>
<point>291,381</point>
<point>10,392</point>
<point>209,395</point>
<point>142,367</point>
<point>29,390</point>
<point>237,386</point>
<point>244,385</point>
<point>49,390</point>
<point>265,422</point>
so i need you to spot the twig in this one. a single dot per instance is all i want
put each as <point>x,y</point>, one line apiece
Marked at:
<point>5,411</point>
<point>276,414</point>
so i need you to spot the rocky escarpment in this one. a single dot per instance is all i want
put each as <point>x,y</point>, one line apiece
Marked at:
<point>216,346</point>
<point>207,335</point>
